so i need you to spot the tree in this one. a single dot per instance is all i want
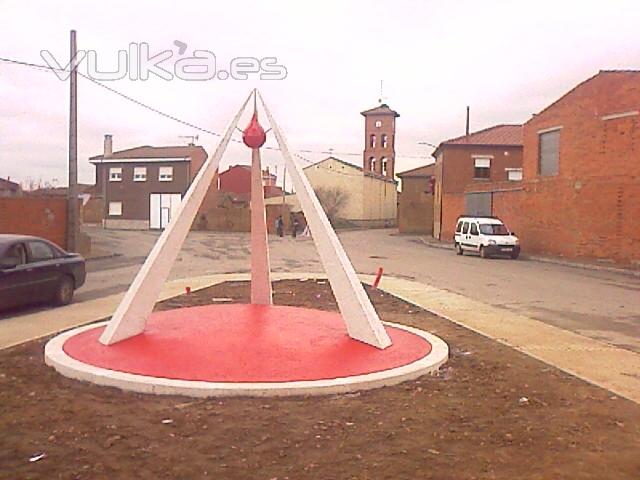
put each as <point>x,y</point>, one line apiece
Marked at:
<point>332,199</point>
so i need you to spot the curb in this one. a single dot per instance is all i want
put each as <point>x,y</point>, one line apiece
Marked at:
<point>555,261</point>
<point>56,357</point>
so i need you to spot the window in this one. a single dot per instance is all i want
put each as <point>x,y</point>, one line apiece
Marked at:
<point>514,174</point>
<point>474,229</point>
<point>115,174</point>
<point>465,228</point>
<point>493,229</point>
<point>482,168</point>
<point>384,141</point>
<point>165,174</point>
<point>549,156</point>
<point>372,162</point>
<point>378,123</point>
<point>140,174</point>
<point>40,251</point>
<point>459,227</point>
<point>115,208</point>
<point>383,163</point>
<point>16,255</point>
<point>372,141</point>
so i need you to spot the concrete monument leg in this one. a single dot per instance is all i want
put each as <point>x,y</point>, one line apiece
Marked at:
<point>260,275</point>
<point>131,315</point>
<point>360,317</point>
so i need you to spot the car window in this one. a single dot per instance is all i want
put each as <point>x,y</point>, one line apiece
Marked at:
<point>39,251</point>
<point>474,229</point>
<point>459,227</point>
<point>465,228</point>
<point>493,229</point>
<point>17,253</point>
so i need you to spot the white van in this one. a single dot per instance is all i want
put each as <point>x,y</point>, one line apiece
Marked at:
<point>485,235</point>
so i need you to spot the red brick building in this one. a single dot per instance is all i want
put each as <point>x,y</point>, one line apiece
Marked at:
<point>415,202</point>
<point>489,155</point>
<point>580,194</point>
<point>236,180</point>
<point>379,155</point>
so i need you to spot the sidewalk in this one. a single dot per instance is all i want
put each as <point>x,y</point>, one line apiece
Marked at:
<point>432,242</point>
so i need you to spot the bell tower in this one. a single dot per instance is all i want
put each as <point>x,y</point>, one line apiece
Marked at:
<point>379,154</point>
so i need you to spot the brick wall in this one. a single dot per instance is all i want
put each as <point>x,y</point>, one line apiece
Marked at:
<point>598,220</point>
<point>93,210</point>
<point>452,207</point>
<point>591,209</point>
<point>43,217</point>
<point>415,206</point>
<point>459,165</point>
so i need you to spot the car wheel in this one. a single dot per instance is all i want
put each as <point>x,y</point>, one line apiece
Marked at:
<point>483,252</point>
<point>459,250</point>
<point>514,255</point>
<point>64,291</point>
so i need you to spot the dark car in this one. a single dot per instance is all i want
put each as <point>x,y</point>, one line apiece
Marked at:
<point>34,270</point>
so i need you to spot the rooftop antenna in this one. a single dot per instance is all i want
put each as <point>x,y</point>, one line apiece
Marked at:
<point>382,97</point>
<point>192,138</point>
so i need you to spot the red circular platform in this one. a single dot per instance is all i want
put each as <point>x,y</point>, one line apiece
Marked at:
<point>245,343</point>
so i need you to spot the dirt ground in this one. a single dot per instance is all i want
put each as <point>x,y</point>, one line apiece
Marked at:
<point>491,413</point>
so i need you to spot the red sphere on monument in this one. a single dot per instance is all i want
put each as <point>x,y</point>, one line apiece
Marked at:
<point>253,136</point>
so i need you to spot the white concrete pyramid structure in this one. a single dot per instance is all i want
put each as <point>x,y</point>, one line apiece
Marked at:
<point>361,319</point>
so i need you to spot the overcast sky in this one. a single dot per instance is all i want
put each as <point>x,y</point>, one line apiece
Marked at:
<point>506,60</point>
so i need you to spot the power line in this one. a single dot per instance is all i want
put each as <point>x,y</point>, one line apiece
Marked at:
<point>176,119</point>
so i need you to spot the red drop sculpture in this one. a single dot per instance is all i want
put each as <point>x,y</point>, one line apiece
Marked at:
<point>254,136</point>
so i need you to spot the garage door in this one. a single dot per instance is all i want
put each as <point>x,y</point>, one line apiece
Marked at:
<point>478,204</point>
<point>162,208</point>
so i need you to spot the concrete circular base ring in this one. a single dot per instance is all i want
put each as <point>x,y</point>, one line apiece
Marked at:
<point>244,350</point>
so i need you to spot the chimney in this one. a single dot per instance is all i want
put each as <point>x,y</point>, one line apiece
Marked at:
<point>108,146</point>
<point>467,129</point>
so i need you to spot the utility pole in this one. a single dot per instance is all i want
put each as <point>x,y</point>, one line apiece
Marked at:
<point>72,192</point>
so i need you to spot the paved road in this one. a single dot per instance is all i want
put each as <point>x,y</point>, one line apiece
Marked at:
<point>597,304</point>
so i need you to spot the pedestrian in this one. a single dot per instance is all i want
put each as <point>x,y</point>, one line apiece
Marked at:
<point>280,226</point>
<point>294,228</point>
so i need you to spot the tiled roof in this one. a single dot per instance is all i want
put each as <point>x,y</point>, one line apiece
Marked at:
<point>147,151</point>
<point>496,135</point>
<point>423,171</point>
<point>382,109</point>
<point>619,73</point>
<point>357,167</point>
<point>8,184</point>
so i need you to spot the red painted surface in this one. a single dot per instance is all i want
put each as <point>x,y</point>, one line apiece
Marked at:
<point>246,343</point>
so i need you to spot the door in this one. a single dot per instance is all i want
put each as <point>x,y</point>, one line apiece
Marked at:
<point>162,208</point>
<point>14,278</point>
<point>474,236</point>
<point>176,200</point>
<point>43,268</point>
<point>154,210</point>
<point>164,217</point>
<point>478,204</point>
<point>465,240</point>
